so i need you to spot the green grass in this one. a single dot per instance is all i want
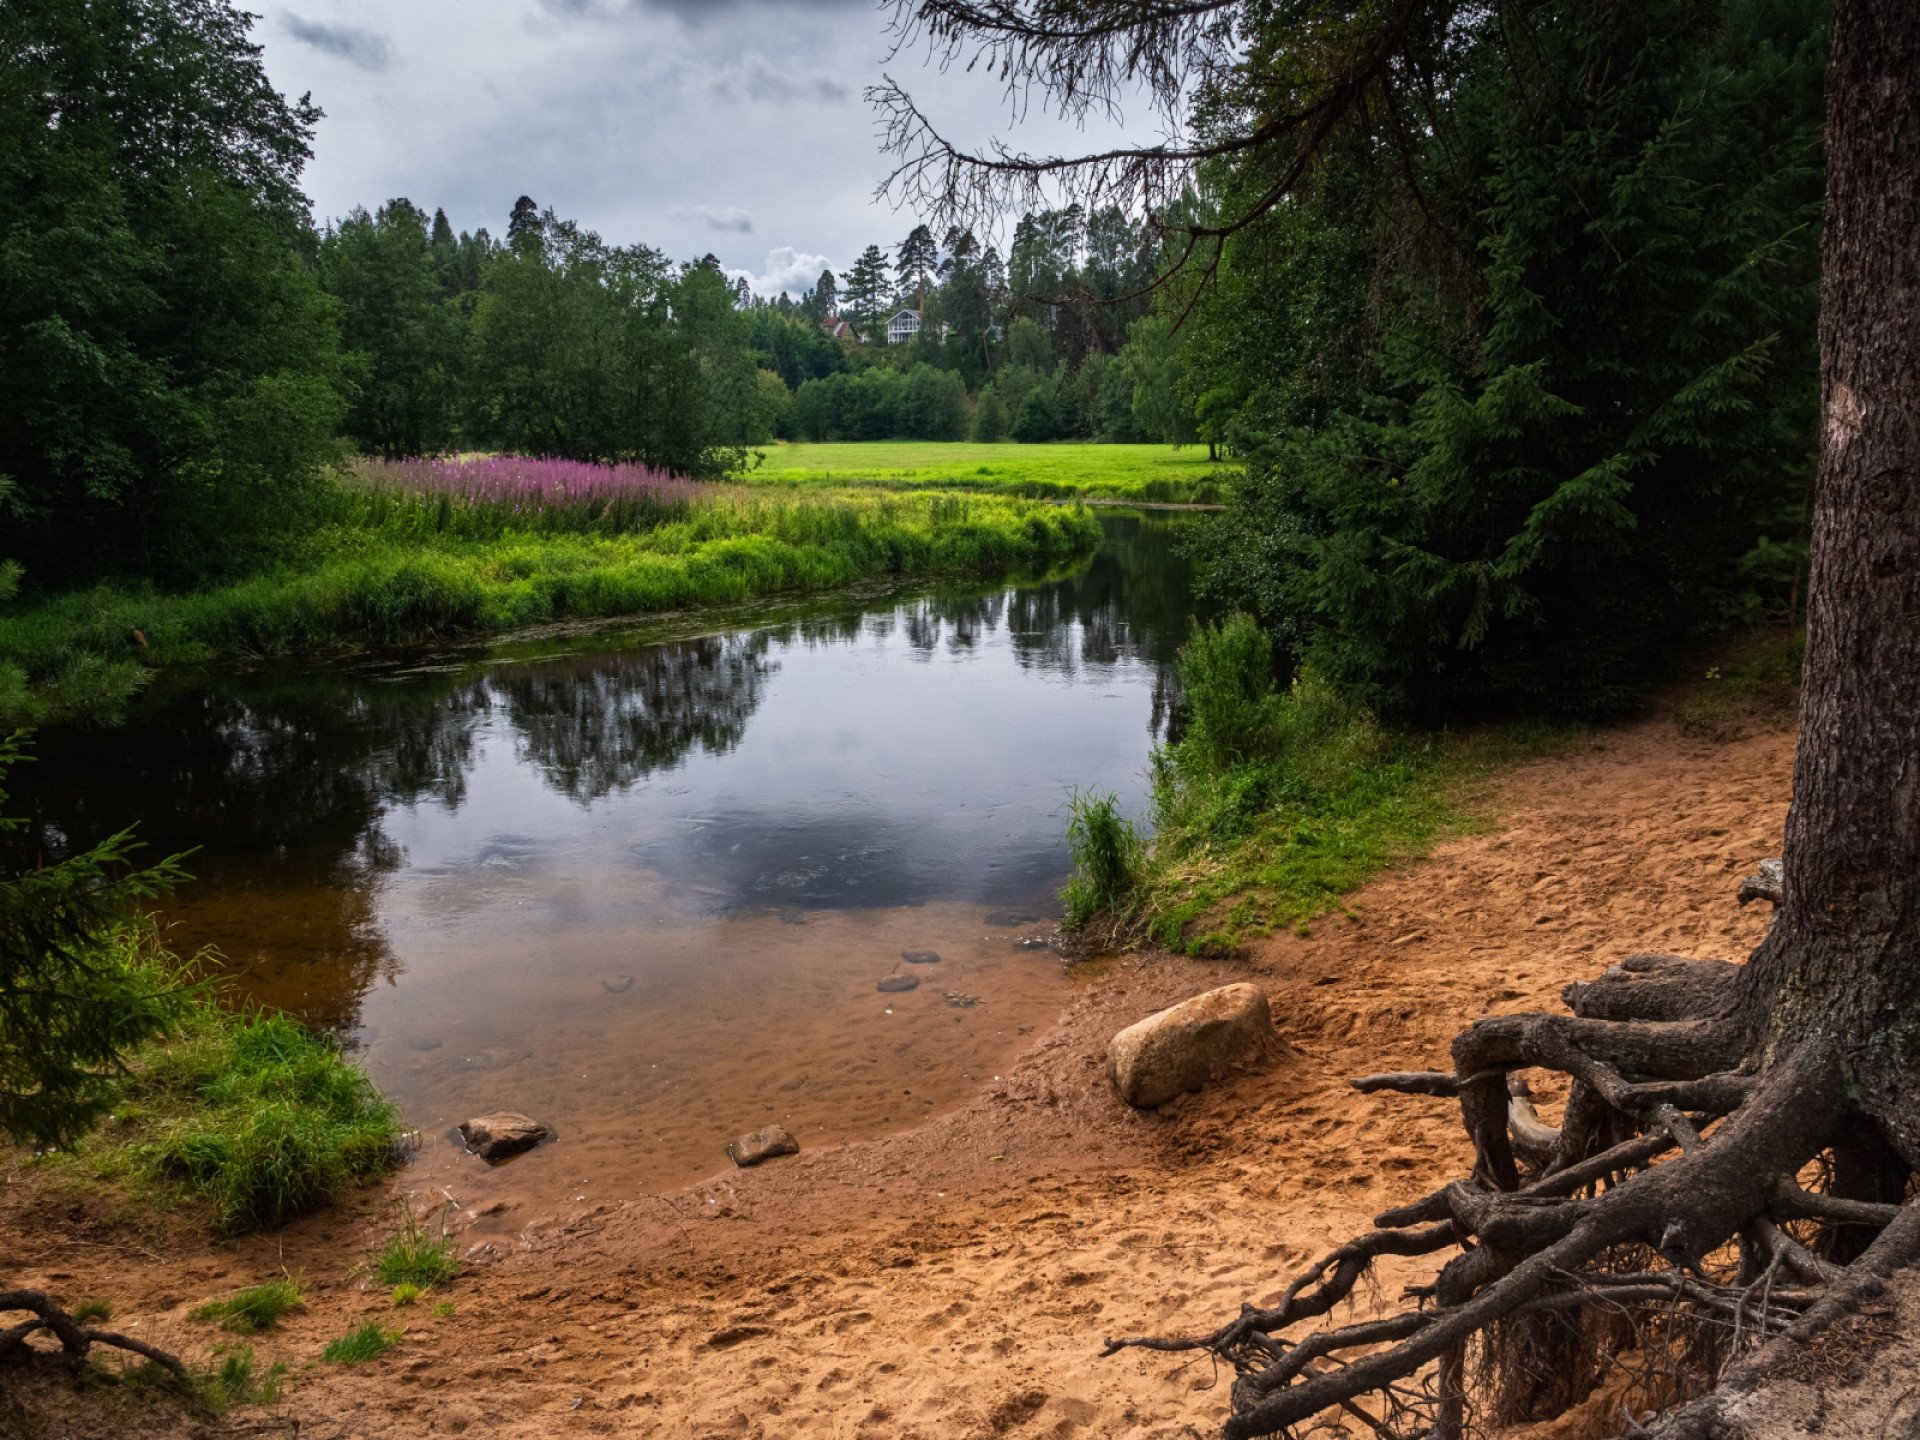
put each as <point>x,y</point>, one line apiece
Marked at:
<point>1273,806</point>
<point>414,1259</point>
<point>368,1342</point>
<point>254,1116</point>
<point>92,1310</point>
<point>1138,473</point>
<point>237,1380</point>
<point>354,588</point>
<point>256,1308</point>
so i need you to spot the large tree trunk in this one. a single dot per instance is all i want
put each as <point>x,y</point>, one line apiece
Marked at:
<point>1844,955</point>
<point>1810,1052</point>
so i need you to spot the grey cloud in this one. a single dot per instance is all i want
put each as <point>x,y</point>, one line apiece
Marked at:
<point>365,49</point>
<point>726,219</point>
<point>757,78</point>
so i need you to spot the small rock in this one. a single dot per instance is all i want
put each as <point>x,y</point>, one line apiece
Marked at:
<point>961,1002</point>
<point>920,957</point>
<point>423,1042</point>
<point>894,984</point>
<point>617,984</point>
<point>496,1137</point>
<point>762,1145</point>
<point>1190,1045</point>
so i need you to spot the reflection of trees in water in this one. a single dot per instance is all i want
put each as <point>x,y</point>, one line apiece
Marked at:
<point>1132,602</point>
<point>280,788</point>
<point>596,724</point>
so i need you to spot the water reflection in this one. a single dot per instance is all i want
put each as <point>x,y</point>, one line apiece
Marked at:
<point>898,753</point>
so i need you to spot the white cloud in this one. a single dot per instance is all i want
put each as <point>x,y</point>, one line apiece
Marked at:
<point>785,269</point>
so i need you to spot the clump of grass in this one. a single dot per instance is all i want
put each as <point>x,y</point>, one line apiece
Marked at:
<point>414,1258</point>
<point>1108,851</point>
<point>237,1381</point>
<point>257,1308</point>
<point>406,1294</point>
<point>368,1342</point>
<point>92,1310</point>
<point>444,1309</point>
<point>256,1114</point>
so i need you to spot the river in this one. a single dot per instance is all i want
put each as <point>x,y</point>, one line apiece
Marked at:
<point>642,882</point>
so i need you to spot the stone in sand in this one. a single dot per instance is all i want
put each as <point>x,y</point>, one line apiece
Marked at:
<point>1190,1045</point>
<point>894,984</point>
<point>495,1137</point>
<point>920,957</point>
<point>761,1145</point>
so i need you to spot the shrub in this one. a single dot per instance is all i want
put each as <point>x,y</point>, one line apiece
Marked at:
<point>1226,672</point>
<point>235,1381</point>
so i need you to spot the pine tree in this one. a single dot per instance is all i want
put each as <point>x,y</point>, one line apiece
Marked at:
<point>523,226</point>
<point>867,291</point>
<point>989,416</point>
<point>915,263</point>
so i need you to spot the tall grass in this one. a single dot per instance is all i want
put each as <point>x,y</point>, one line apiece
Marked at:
<point>1108,851</point>
<point>486,497</point>
<point>364,585</point>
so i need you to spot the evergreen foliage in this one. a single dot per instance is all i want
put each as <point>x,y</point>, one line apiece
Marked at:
<point>1513,461</point>
<point>82,984</point>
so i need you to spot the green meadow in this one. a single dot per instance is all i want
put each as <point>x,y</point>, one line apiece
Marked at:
<point>1141,474</point>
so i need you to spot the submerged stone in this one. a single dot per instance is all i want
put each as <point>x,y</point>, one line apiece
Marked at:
<point>762,1145</point>
<point>894,984</point>
<point>920,957</point>
<point>617,984</point>
<point>497,1137</point>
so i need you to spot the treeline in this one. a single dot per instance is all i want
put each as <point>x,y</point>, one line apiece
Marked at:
<point>183,353</point>
<point>1527,386</point>
<point>557,343</point>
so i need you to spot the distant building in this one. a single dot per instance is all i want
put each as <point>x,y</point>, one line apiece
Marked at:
<point>903,327</point>
<point>837,328</point>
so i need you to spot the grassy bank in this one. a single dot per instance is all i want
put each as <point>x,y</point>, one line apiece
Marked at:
<point>393,573</point>
<point>1158,474</point>
<point>1271,806</point>
<point>255,1118</point>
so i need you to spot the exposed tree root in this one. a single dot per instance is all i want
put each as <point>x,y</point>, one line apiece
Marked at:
<point>76,1339</point>
<point>1594,1232</point>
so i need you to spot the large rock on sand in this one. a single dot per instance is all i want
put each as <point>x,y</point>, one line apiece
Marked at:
<point>496,1137</point>
<point>1191,1045</point>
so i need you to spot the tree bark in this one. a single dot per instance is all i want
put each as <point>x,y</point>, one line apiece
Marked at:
<point>1843,958</point>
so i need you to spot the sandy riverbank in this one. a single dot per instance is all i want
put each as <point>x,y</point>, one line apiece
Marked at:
<point>957,1280</point>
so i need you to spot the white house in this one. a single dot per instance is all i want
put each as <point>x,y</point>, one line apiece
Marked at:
<point>903,327</point>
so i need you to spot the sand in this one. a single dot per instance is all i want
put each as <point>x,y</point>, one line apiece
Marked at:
<point>956,1280</point>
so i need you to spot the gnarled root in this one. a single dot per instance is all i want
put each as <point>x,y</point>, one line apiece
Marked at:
<point>1663,1213</point>
<point>76,1339</point>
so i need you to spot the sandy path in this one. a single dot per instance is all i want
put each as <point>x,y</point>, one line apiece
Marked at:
<point>956,1281</point>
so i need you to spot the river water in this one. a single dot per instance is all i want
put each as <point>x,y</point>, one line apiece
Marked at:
<point>642,883</point>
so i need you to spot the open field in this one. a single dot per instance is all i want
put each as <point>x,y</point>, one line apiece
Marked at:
<point>1158,474</point>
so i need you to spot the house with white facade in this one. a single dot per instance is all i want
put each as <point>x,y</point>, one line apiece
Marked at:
<point>903,327</point>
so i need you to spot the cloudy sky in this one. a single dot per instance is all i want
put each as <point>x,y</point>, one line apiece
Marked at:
<point>731,126</point>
